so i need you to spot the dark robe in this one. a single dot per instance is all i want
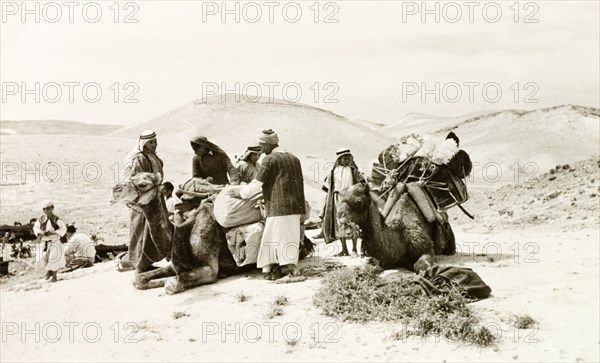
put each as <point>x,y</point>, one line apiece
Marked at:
<point>283,185</point>
<point>143,250</point>
<point>330,215</point>
<point>215,165</point>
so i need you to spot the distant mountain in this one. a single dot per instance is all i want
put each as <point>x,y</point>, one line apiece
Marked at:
<point>544,137</point>
<point>368,124</point>
<point>521,143</point>
<point>420,123</point>
<point>548,112</point>
<point>518,144</point>
<point>38,127</point>
<point>306,131</point>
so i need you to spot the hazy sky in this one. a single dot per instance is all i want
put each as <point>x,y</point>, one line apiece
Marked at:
<point>376,60</point>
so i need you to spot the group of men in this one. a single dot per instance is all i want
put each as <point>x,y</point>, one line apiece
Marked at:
<point>21,250</point>
<point>279,176</point>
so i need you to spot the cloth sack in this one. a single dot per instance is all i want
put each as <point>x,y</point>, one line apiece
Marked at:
<point>244,242</point>
<point>419,195</point>
<point>232,212</point>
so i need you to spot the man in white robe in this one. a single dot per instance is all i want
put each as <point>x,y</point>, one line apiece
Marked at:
<point>49,229</point>
<point>280,177</point>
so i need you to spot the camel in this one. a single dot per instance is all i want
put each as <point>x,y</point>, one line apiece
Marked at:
<point>409,239</point>
<point>199,252</point>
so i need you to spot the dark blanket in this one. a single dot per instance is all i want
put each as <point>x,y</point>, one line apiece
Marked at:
<point>103,250</point>
<point>438,278</point>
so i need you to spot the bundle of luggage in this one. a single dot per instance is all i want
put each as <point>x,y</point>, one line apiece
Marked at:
<point>430,169</point>
<point>439,279</point>
<point>193,191</point>
<point>242,219</point>
<point>243,223</point>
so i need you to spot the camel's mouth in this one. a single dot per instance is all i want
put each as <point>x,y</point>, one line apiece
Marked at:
<point>345,213</point>
<point>118,194</point>
<point>353,204</point>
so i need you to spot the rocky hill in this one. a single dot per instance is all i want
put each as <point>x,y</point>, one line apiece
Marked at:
<point>511,144</point>
<point>566,196</point>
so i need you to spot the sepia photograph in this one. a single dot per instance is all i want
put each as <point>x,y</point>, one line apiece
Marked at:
<point>300,181</point>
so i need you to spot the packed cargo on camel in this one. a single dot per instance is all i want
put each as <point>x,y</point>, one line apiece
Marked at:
<point>402,210</point>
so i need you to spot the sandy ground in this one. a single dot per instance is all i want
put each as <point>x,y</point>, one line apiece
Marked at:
<point>96,314</point>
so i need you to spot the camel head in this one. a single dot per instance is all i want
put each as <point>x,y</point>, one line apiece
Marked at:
<point>139,190</point>
<point>354,204</point>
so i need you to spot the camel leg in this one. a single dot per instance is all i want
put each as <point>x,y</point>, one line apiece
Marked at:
<point>198,276</point>
<point>449,247</point>
<point>144,280</point>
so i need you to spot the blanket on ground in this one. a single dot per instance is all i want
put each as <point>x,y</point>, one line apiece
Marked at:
<point>438,278</point>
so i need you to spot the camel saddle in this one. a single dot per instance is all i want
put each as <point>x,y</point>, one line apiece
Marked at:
<point>442,186</point>
<point>194,191</point>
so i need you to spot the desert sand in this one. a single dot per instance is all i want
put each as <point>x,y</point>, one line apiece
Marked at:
<point>557,285</point>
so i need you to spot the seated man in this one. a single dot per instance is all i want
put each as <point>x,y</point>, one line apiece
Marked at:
<point>3,243</point>
<point>79,250</point>
<point>24,251</point>
<point>170,199</point>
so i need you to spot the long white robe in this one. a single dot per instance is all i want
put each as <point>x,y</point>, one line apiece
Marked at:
<point>54,253</point>
<point>280,242</point>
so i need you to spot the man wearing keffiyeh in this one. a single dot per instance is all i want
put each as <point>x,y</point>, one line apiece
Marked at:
<point>343,175</point>
<point>143,250</point>
<point>247,164</point>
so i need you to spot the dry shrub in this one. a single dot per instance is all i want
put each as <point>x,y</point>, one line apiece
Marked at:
<point>276,307</point>
<point>241,297</point>
<point>524,322</point>
<point>360,294</point>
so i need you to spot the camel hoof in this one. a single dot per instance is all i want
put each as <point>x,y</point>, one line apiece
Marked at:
<point>172,286</point>
<point>140,283</point>
<point>423,263</point>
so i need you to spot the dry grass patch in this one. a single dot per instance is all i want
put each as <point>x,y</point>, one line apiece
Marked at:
<point>277,307</point>
<point>360,294</point>
<point>524,322</point>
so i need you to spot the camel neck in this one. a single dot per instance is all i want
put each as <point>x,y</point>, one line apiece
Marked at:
<point>380,240</point>
<point>161,229</point>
